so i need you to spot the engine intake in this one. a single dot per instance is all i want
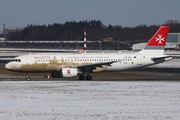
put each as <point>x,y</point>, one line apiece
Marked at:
<point>65,72</point>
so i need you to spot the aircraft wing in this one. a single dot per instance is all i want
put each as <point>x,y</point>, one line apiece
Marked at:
<point>87,68</point>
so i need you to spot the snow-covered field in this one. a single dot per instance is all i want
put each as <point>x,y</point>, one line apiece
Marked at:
<point>89,100</point>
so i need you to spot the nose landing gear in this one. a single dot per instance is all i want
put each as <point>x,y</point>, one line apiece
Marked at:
<point>28,77</point>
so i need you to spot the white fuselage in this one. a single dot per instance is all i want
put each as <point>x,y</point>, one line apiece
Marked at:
<point>54,62</point>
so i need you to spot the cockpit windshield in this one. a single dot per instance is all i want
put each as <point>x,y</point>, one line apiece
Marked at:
<point>16,60</point>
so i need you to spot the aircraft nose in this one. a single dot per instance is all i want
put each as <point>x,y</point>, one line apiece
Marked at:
<point>7,66</point>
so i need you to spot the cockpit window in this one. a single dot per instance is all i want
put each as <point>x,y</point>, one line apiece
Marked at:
<point>16,60</point>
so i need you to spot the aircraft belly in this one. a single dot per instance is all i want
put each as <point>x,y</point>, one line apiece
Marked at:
<point>127,65</point>
<point>99,69</point>
<point>119,67</point>
<point>34,70</point>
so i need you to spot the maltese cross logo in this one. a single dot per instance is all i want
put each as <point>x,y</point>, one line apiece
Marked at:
<point>159,39</point>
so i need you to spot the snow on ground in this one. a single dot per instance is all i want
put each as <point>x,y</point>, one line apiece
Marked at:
<point>89,100</point>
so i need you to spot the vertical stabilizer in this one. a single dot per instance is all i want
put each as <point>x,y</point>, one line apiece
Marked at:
<point>158,42</point>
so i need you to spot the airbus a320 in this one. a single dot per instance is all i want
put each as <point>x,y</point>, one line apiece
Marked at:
<point>71,65</point>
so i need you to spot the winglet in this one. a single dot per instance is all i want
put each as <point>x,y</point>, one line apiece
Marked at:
<point>158,41</point>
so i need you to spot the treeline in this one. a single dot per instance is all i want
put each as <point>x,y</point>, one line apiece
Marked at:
<point>96,30</point>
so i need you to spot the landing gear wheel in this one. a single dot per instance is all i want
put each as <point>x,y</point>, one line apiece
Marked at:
<point>81,77</point>
<point>88,77</point>
<point>28,79</point>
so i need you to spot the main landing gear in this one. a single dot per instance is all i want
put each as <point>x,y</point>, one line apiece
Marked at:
<point>88,77</point>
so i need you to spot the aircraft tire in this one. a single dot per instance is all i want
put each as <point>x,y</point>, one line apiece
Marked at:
<point>81,77</point>
<point>28,79</point>
<point>88,77</point>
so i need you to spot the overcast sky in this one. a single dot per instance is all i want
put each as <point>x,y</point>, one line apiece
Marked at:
<point>128,13</point>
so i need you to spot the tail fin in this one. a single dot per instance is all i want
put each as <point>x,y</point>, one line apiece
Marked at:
<point>158,42</point>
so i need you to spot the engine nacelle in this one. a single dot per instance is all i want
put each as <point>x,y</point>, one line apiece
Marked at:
<point>65,72</point>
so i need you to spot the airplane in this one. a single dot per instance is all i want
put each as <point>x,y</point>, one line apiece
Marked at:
<point>65,65</point>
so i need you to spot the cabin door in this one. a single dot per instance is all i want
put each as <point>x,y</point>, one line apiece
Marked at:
<point>139,60</point>
<point>29,60</point>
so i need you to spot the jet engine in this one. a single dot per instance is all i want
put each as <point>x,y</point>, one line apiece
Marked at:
<point>65,72</point>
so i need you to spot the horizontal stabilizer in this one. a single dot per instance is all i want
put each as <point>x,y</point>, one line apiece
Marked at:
<point>161,59</point>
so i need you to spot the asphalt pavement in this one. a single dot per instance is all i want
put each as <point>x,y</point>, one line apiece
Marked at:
<point>144,74</point>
